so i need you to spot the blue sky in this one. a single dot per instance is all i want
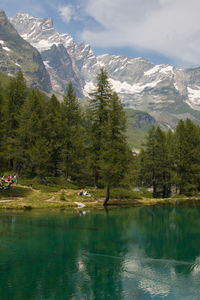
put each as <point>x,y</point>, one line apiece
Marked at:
<point>162,31</point>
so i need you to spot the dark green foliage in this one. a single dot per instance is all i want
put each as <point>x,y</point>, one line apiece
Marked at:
<point>54,135</point>
<point>187,156</point>
<point>116,193</point>
<point>42,138</point>
<point>72,136</point>
<point>155,163</point>
<point>98,115</point>
<point>16,96</point>
<point>114,151</point>
<point>172,160</point>
<point>2,133</point>
<point>32,144</point>
<point>109,149</point>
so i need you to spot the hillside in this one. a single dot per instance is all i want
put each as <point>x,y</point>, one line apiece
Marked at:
<point>16,53</point>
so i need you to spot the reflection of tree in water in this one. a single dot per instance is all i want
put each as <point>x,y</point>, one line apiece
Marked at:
<point>103,256</point>
<point>96,256</point>
<point>172,233</point>
<point>47,271</point>
<point>48,260</point>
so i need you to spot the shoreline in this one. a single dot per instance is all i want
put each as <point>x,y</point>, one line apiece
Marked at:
<point>27,198</point>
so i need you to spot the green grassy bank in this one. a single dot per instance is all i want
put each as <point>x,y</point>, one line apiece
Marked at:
<point>30,194</point>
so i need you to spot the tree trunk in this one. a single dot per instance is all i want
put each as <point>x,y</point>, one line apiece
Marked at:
<point>67,175</point>
<point>107,195</point>
<point>11,163</point>
<point>96,180</point>
<point>55,169</point>
<point>154,190</point>
<point>18,169</point>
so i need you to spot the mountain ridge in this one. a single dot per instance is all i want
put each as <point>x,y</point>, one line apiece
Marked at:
<point>166,93</point>
<point>16,53</point>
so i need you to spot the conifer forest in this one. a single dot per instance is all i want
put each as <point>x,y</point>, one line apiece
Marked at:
<point>45,137</point>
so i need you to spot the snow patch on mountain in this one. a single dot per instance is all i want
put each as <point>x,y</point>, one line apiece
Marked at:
<point>194,98</point>
<point>6,49</point>
<point>159,68</point>
<point>153,70</point>
<point>166,70</point>
<point>124,87</point>
<point>88,88</point>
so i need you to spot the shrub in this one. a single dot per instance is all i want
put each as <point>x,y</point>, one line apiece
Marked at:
<point>179,196</point>
<point>62,196</point>
<point>116,193</point>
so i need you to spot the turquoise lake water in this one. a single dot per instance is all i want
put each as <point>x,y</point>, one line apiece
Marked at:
<point>141,253</point>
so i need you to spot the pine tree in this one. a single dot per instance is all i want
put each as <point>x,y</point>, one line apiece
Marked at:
<point>155,166</point>
<point>32,145</point>
<point>2,133</point>
<point>187,156</point>
<point>114,151</point>
<point>16,96</point>
<point>98,114</point>
<point>73,142</point>
<point>54,134</point>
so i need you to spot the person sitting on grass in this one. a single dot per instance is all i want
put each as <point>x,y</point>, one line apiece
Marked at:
<point>80,193</point>
<point>85,193</point>
<point>14,181</point>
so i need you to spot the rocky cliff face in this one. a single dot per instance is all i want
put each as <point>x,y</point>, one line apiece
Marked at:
<point>167,93</point>
<point>16,53</point>
<point>59,65</point>
<point>41,34</point>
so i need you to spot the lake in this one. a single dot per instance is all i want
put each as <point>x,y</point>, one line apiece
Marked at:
<point>140,253</point>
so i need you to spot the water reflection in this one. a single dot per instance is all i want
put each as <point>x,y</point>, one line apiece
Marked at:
<point>142,253</point>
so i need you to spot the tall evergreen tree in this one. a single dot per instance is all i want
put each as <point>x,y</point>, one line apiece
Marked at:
<point>73,142</point>
<point>114,151</point>
<point>16,96</point>
<point>155,163</point>
<point>187,156</point>
<point>99,113</point>
<point>2,133</point>
<point>32,145</point>
<point>54,134</point>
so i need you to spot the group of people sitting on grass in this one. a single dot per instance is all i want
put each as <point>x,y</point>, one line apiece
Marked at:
<point>83,193</point>
<point>10,180</point>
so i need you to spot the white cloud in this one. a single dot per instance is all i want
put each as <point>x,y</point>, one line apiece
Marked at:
<point>66,12</point>
<point>168,27</point>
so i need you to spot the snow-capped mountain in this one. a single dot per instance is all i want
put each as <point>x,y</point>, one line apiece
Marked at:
<point>167,93</point>
<point>16,53</point>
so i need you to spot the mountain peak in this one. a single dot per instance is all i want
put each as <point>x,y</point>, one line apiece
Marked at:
<point>141,84</point>
<point>23,15</point>
<point>21,18</point>
<point>27,16</point>
<point>3,18</point>
<point>2,13</point>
